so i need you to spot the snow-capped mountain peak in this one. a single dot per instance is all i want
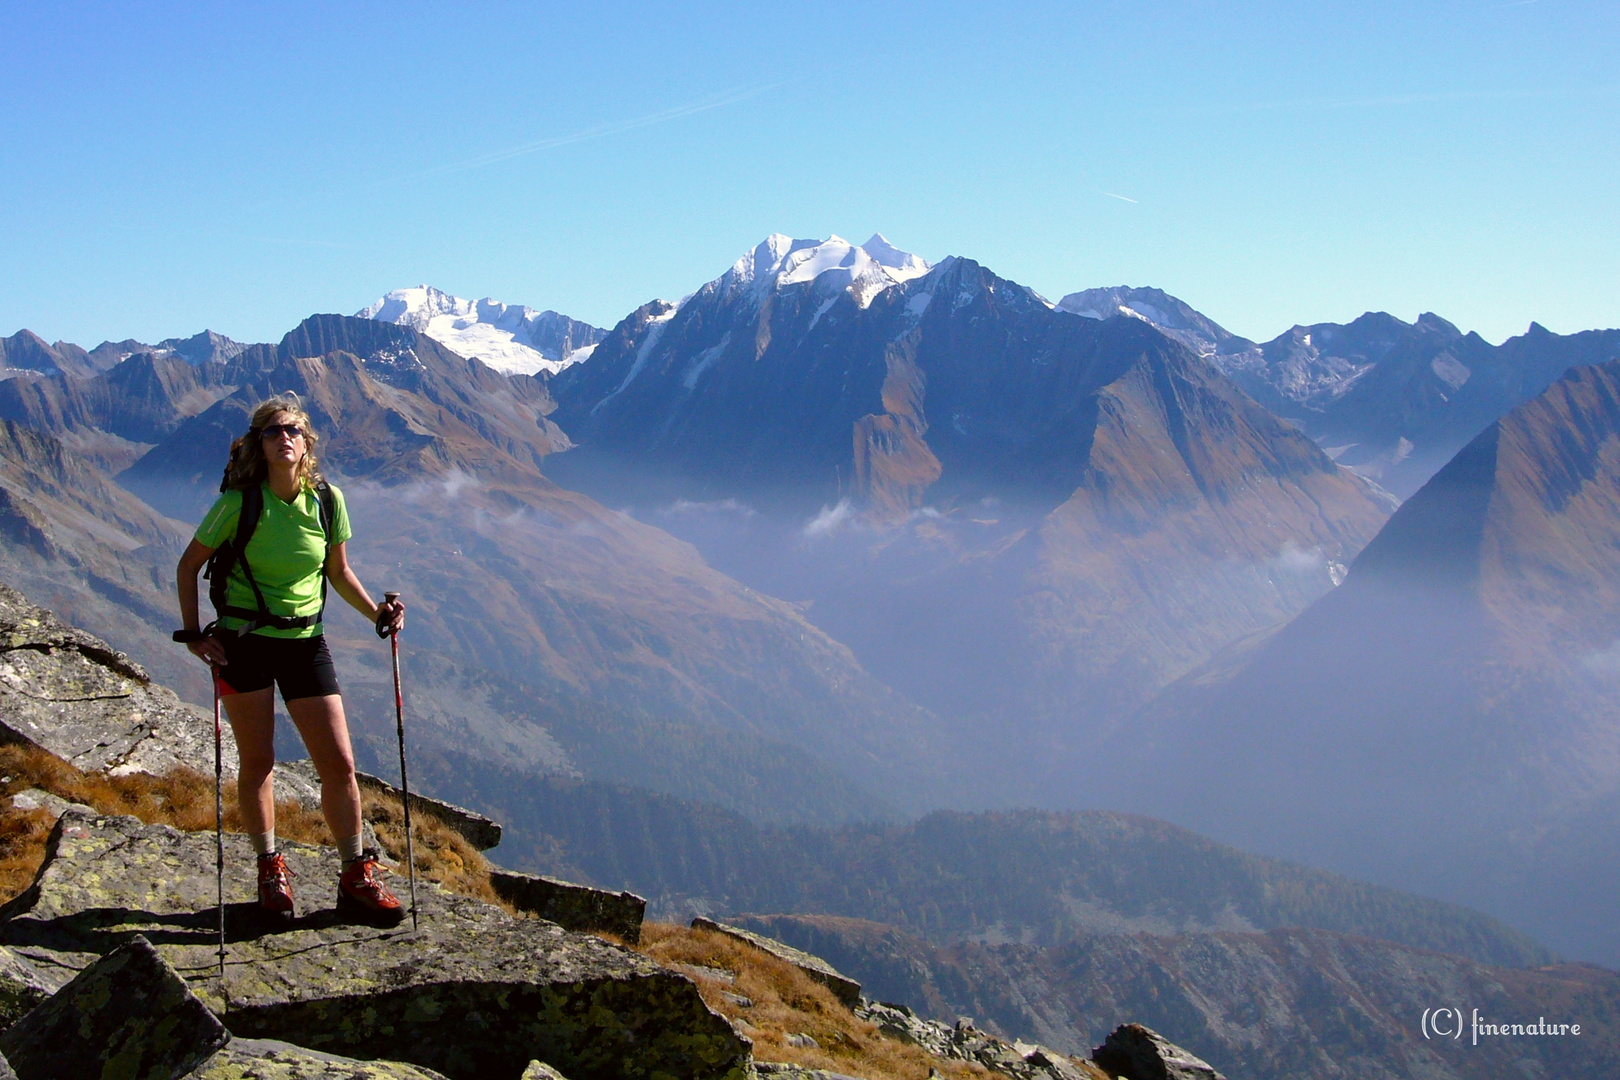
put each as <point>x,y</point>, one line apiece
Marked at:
<point>834,263</point>
<point>508,337</point>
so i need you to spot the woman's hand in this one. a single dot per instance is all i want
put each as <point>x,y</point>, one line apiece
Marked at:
<point>390,618</point>
<point>208,650</point>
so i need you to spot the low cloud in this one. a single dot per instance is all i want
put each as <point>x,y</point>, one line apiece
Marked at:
<point>830,519</point>
<point>1306,562</point>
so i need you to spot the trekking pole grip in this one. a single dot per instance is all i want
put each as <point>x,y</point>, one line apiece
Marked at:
<point>384,630</point>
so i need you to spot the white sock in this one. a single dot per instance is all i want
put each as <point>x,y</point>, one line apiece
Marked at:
<point>264,842</point>
<point>349,848</point>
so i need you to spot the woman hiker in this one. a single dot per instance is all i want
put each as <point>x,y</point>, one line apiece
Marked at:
<point>269,633</point>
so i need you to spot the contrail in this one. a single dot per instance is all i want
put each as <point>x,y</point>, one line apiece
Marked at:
<point>1121,198</point>
<point>730,97</point>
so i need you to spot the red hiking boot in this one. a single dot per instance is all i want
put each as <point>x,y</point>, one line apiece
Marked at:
<point>275,886</point>
<point>363,897</point>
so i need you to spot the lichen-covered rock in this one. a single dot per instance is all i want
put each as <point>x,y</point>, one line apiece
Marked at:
<point>844,988</point>
<point>23,986</point>
<point>129,1014</point>
<point>1143,1054</point>
<point>5,1069</point>
<point>476,993</point>
<point>271,1059</point>
<point>574,907</point>
<point>539,1070</point>
<point>76,696</point>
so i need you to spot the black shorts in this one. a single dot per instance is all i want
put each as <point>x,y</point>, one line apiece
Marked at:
<point>302,667</point>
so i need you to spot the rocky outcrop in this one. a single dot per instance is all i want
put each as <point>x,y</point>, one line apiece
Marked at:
<point>964,1042</point>
<point>844,988</point>
<point>127,1014</point>
<point>482,993</point>
<point>1140,1053</point>
<point>573,907</point>
<point>73,694</point>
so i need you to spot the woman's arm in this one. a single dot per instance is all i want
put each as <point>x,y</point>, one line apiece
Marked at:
<point>192,560</point>
<point>347,585</point>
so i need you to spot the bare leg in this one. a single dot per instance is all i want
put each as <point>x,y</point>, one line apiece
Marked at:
<point>321,722</point>
<point>253,719</point>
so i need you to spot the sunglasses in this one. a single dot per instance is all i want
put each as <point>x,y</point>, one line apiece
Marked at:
<point>276,431</point>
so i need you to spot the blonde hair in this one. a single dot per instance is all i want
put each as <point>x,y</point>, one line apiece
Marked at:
<point>247,466</point>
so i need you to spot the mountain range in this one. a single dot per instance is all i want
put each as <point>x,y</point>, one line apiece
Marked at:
<point>560,634</point>
<point>961,481</point>
<point>844,535</point>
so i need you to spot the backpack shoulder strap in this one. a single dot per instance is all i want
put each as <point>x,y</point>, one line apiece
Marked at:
<point>328,508</point>
<point>234,552</point>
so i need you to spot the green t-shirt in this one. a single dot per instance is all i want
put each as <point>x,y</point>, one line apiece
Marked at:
<point>287,553</point>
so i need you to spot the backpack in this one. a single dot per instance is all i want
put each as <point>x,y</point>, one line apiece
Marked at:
<point>234,550</point>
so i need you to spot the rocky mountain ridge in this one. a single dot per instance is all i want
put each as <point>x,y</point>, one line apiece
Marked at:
<point>1393,401</point>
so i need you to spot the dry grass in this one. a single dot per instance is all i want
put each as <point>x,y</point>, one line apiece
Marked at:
<point>185,800</point>
<point>442,854</point>
<point>784,1002</point>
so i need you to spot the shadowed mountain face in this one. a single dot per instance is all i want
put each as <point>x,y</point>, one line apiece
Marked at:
<point>78,542</point>
<point>1027,520</point>
<point>1392,400</point>
<point>560,636</point>
<point>1445,719</point>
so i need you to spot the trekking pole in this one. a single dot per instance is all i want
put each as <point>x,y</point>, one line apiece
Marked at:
<point>404,779</point>
<point>219,821</point>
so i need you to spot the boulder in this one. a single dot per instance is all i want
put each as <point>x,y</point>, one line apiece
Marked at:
<point>23,986</point>
<point>574,907</point>
<point>39,799</point>
<point>127,1014</point>
<point>844,988</point>
<point>73,694</point>
<point>5,1069</point>
<point>477,992</point>
<point>1135,1052</point>
<point>271,1059</point>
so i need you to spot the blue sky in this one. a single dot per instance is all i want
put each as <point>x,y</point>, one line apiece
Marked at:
<point>167,168</point>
